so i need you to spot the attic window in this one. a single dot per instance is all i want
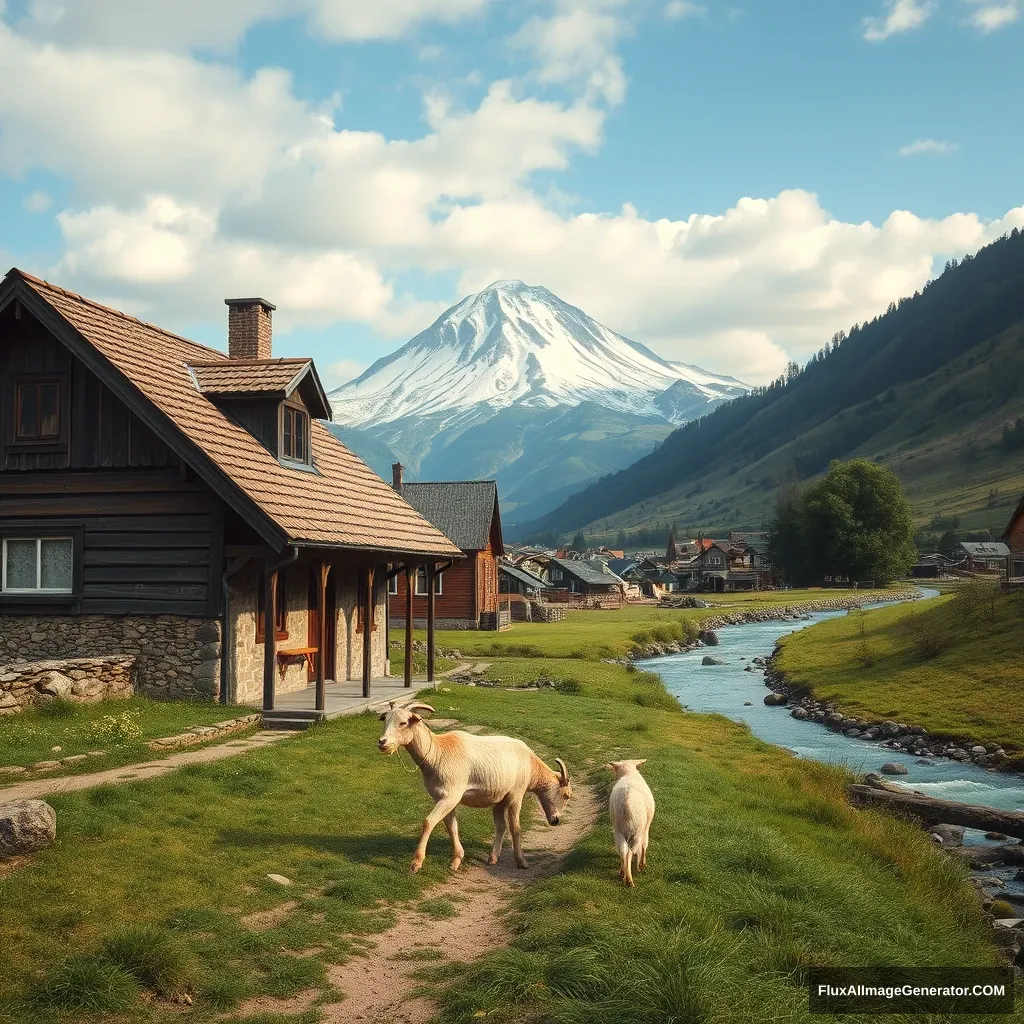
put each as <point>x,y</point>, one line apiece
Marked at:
<point>37,407</point>
<point>295,434</point>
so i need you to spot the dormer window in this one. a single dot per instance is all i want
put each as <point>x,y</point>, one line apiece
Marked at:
<point>294,434</point>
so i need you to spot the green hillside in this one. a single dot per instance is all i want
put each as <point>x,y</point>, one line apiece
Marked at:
<point>928,389</point>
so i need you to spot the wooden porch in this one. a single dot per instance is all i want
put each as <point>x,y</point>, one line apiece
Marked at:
<point>298,709</point>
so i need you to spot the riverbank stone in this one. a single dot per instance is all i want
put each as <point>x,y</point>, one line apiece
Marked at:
<point>709,660</point>
<point>26,826</point>
<point>893,768</point>
<point>775,699</point>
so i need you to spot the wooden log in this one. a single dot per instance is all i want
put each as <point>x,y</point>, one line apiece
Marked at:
<point>937,812</point>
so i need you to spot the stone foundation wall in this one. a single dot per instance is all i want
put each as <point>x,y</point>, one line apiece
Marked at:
<point>546,612</point>
<point>77,679</point>
<point>176,657</point>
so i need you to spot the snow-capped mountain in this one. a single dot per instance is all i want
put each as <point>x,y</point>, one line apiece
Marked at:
<point>515,383</point>
<point>516,344</point>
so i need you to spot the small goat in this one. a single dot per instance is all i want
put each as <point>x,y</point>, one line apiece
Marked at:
<point>477,771</point>
<point>632,810</point>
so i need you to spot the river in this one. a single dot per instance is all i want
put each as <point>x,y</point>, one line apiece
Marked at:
<point>729,690</point>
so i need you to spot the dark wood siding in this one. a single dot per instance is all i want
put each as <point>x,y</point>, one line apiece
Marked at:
<point>100,431</point>
<point>259,416</point>
<point>151,543</point>
<point>456,601</point>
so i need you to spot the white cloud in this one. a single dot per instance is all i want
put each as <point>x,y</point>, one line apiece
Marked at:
<point>932,147</point>
<point>36,202</point>
<point>899,16</point>
<point>989,17</point>
<point>341,372</point>
<point>183,24</point>
<point>679,9</point>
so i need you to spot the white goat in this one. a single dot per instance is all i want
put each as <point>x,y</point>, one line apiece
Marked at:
<point>478,771</point>
<point>632,810</point>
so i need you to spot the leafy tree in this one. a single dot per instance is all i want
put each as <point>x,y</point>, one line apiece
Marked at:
<point>579,542</point>
<point>620,540</point>
<point>858,523</point>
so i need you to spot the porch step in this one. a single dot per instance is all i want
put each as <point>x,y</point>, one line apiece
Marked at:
<point>293,719</point>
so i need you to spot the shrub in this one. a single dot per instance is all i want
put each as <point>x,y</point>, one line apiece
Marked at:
<point>573,687</point>
<point>122,728</point>
<point>59,707</point>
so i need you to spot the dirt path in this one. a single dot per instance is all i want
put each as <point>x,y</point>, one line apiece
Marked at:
<point>378,986</point>
<point>35,788</point>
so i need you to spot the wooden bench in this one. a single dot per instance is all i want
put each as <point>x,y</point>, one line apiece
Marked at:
<point>305,653</point>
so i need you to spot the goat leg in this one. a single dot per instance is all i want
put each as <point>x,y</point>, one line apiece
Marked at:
<point>437,813</point>
<point>451,823</point>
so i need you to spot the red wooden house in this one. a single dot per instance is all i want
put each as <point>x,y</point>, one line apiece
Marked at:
<point>466,593</point>
<point>1014,538</point>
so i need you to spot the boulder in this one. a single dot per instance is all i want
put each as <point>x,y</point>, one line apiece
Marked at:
<point>948,835</point>
<point>26,826</point>
<point>894,768</point>
<point>775,699</point>
<point>708,637</point>
<point>709,660</point>
<point>799,713</point>
<point>54,684</point>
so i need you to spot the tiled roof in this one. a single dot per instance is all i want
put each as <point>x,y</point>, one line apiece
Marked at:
<point>250,376</point>
<point>460,509</point>
<point>343,504</point>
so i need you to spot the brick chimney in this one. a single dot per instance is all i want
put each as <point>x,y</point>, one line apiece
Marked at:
<point>249,328</point>
<point>397,472</point>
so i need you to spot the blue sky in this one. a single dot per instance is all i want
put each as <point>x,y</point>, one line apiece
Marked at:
<point>727,183</point>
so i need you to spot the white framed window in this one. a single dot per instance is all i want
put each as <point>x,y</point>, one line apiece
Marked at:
<point>421,583</point>
<point>393,584</point>
<point>38,565</point>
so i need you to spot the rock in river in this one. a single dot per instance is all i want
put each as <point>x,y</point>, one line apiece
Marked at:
<point>26,826</point>
<point>775,699</point>
<point>708,637</point>
<point>894,768</point>
<point>709,660</point>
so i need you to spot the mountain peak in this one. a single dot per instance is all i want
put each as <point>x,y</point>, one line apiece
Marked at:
<point>517,344</point>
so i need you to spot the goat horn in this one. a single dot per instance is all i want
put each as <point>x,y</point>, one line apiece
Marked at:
<point>421,707</point>
<point>564,771</point>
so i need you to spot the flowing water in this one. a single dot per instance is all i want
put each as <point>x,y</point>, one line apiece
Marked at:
<point>729,690</point>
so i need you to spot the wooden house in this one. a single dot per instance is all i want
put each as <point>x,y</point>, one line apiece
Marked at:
<point>1014,540</point>
<point>574,580</point>
<point>517,582</point>
<point>465,595</point>
<point>982,555</point>
<point>163,499</point>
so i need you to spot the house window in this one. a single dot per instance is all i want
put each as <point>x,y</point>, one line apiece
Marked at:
<point>280,610</point>
<point>295,434</point>
<point>37,411</point>
<point>421,582</point>
<point>393,585</point>
<point>38,565</point>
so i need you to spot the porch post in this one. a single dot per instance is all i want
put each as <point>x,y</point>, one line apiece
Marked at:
<point>410,583</point>
<point>430,621</point>
<point>321,602</point>
<point>367,630</point>
<point>269,638</point>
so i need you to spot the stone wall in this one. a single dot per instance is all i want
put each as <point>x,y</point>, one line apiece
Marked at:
<point>176,657</point>
<point>542,612</point>
<point>247,654</point>
<point>460,624</point>
<point>83,680</point>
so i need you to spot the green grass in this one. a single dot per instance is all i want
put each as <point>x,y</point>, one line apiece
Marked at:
<point>759,869</point>
<point>120,727</point>
<point>590,635</point>
<point>954,665</point>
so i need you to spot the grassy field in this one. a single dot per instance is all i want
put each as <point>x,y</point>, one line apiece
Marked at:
<point>759,870</point>
<point>954,665</point>
<point>119,727</point>
<point>590,635</point>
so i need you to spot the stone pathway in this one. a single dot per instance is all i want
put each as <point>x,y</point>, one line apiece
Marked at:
<point>35,788</point>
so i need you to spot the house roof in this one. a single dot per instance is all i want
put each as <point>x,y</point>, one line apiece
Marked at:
<point>621,565</point>
<point>522,575</point>
<point>276,378</point>
<point>461,509</point>
<point>342,504</point>
<point>984,549</point>
<point>586,572</point>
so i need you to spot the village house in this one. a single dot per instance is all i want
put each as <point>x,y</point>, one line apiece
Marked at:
<point>167,501</point>
<point>981,555</point>
<point>576,581</point>
<point>465,594</point>
<point>1014,539</point>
